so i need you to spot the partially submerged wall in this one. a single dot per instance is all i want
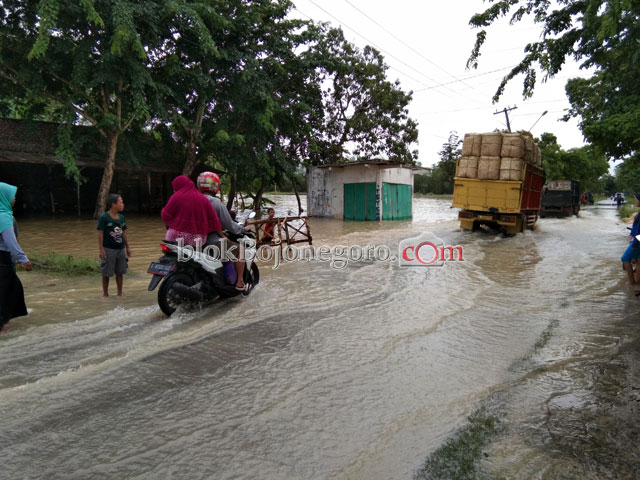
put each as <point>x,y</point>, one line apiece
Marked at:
<point>325,185</point>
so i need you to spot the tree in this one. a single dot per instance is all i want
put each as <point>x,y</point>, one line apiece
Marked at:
<point>247,109</point>
<point>604,36</point>
<point>234,83</point>
<point>259,128</point>
<point>449,155</point>
<point>628,176</point>
<point>93,59</point>
<point>584,163</point>
<point>364,114</point>
<point>186,64</point>
<point>607,184</point>
<point>441,179</point>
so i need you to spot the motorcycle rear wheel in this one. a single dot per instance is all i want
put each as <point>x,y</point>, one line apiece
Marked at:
<point>251,278</point>
<point>168,299</point>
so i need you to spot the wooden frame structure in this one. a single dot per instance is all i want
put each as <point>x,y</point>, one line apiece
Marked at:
<point>287,230</point>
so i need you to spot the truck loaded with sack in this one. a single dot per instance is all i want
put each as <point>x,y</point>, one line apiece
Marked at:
<point>498,181</point>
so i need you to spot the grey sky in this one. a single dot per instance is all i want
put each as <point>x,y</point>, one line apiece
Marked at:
<point>426,45</point>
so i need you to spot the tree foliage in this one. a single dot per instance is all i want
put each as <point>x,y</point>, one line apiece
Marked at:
<point>441,179</point>
<point>91,58</point>
<point>365,115</point>
<point>628,177</point>
<point>607,184</point>
<point>232,83</point>
<point>584,164</point>
<point>601,34</point>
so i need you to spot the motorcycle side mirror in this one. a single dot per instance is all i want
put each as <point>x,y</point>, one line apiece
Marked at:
<point>252,215</point>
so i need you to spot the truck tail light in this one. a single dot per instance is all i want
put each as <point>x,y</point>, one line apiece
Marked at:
<point>508,218</point>
<point>464,214</point>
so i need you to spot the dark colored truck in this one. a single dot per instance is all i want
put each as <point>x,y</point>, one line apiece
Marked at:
<point>561,198</point>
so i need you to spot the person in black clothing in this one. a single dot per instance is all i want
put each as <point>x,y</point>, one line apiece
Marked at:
<point>12,303</point>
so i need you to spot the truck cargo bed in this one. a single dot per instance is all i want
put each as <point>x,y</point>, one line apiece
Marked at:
<point>507,204</point>
<point>502,196</point>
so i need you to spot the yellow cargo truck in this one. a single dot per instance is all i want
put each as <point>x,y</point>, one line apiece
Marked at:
<point>509,205</point>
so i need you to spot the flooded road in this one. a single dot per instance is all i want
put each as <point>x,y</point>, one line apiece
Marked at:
<point>356,373</point>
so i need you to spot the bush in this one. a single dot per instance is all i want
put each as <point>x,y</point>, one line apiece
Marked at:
<point>627,210</point>
<point>64,264</point>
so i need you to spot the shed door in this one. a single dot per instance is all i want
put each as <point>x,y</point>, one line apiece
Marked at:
<point>360,201</point>
<point>396,201</point>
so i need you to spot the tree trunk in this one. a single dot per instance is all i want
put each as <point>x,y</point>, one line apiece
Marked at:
<point>257,200</point>
<point>107,176</point>
<point>232,192</point>
<point>51,199</point>
<point>78,198</point>
<point>192,160</point>
<point>295,189</point>
<point>194,137</point>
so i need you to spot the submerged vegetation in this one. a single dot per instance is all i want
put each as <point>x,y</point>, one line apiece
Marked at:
<point>459,457</point>
<point>64,264</point>
<point>627,211</point>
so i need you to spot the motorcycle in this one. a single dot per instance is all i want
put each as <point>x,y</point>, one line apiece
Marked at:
<point>192,278</point>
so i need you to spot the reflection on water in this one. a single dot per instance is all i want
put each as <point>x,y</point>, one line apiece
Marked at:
<point>320,373</point>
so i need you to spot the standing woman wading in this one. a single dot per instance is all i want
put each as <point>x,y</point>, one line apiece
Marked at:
<point>633,250</point>
<point>11,293</point>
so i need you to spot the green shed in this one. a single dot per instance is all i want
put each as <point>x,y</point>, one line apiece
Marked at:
<point>370,191</point>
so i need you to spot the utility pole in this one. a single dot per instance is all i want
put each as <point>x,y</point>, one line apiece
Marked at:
<point>506,114</point>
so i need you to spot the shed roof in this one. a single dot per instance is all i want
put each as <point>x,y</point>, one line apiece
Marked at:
<point>386,163</point>
<point>9,156</point>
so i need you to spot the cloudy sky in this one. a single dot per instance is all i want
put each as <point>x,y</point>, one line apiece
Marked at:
<point>426,45</point>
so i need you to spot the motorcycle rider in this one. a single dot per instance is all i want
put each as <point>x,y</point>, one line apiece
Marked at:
<point>209,185</point>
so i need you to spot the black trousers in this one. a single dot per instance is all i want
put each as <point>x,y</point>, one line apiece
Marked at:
<point>11,291</point>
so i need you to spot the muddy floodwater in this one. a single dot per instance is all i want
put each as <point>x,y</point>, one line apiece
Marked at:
<point>519,362</point>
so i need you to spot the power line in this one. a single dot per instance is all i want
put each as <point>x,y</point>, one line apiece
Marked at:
<point>409,46</point>
<point>442,112</point>
<point>370,41</point>
<point>536,113</point>
<point>390,66</point>
<point>461,80</point>
<point>382,49</point>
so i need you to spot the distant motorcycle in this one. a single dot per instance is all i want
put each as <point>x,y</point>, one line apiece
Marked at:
<point>190,279</point>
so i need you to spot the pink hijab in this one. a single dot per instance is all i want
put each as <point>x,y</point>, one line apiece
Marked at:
<point>188,210</point>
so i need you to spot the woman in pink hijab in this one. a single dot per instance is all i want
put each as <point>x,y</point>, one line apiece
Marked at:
<point>188,214</point>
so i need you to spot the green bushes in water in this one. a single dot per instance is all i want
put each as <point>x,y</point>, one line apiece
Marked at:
<point>459,457</point>
<point>627,210</point>
<point>64,264</point>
